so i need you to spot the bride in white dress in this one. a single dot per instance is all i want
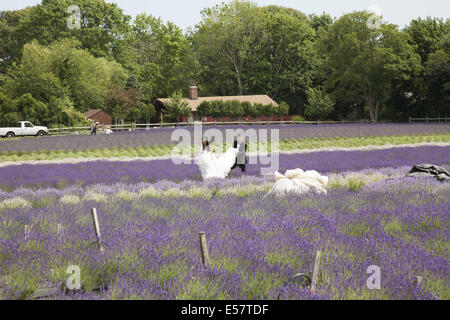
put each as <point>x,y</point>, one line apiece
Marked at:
<point>293,181</point>
<point>213,167</point>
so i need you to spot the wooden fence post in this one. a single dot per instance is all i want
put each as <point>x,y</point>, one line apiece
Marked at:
<point>27,232</point>
<point>315,273</point>
<point>97,228</point>
<point>204,249</point>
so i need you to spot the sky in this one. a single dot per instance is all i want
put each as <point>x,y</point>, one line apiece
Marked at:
<point>186,13</point>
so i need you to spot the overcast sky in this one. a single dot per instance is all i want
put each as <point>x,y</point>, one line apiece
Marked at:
<point>186,13</point>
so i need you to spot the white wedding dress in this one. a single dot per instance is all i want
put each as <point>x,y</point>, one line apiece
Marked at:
<point>212,167</point>
<point>298,181</point>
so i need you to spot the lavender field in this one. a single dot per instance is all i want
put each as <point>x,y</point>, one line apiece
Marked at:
<point>162,136</point>
<point>151,212</point>
<point>150,233</point>
<point>109,172</point>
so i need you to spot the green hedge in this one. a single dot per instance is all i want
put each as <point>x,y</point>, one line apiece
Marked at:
<point>235,108</point>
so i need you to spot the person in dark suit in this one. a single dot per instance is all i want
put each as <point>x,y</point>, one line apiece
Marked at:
<point>241,159</point>
<point>94,129</point>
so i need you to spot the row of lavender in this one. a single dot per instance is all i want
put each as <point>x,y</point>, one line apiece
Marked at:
<point>88,173</point>
<point>151,241</point>
<point>162,136</point>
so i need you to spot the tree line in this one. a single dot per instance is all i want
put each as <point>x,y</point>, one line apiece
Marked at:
<point>322,68</point>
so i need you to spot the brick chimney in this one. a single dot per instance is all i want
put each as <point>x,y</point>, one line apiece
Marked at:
<point>193,92</point>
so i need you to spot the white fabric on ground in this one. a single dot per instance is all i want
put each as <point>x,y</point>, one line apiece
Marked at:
<point>299,182</point>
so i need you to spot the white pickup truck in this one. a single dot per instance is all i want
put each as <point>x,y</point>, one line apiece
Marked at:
<point>26,129</point>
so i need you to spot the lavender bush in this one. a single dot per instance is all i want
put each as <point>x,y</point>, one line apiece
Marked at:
<point>106,172</point>
<point>151,212</point>
<point>150,232</point>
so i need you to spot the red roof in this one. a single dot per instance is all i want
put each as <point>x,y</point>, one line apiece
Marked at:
<point>92,112</point>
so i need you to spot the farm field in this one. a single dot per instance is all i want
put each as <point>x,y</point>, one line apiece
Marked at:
<point>157,142</point>
<point>151,212</point>
<point>150,232</point>
<point>82,174</point>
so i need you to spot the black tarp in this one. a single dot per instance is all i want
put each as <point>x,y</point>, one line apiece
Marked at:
<point>430,170</point>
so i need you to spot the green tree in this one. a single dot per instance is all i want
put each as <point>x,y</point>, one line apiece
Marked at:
<point>8,111</point>
<point>63,70</point>
<point>246,105</point>
<point>148,112</point>
<point>320,105</point>
<point>102,31</point>
<point>438,78</point>
<point>364,63</point>
<point>422,95</point>
<point>426,35</point>
<point>285,61</point>
<point>227,109</point>
<point>268,110</point>
<point>259,109</point>
<point>225,39</point>
<point>73,117</point>
<point>33,74</point>
<point>118,114</point>
<point>164,59</point>
<point>204,109</point>
<point>134,114</point>
<point>31,109</point>
<point>126,98</point>
<point>177,107</point>
<point>243,48</point>
<point>216,108</point>
<point>56,107</point>
<point>11,40</point>
<point>87,78</point>
<point>254,110</point>
<point>237,109</point>
<point>282,109</point>
<point>320,24</point>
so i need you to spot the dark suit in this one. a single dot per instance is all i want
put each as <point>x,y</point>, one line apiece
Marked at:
<point>241,159</point>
